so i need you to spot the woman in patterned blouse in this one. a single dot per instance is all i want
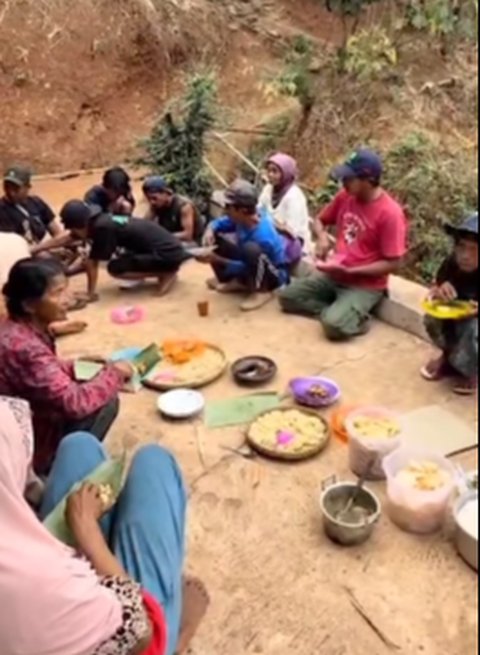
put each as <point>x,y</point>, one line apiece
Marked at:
<point>30,369</point>
<point>120,592</point>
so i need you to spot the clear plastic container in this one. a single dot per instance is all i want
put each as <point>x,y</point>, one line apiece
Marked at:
<point>366,454</point>
<point>415,510</point>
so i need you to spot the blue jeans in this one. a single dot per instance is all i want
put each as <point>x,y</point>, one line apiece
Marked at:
<point>146,528</point>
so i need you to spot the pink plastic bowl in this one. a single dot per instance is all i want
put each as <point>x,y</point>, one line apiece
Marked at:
<point>127,314</point>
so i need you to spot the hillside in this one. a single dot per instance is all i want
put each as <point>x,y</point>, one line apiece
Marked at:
<point>81,83</point>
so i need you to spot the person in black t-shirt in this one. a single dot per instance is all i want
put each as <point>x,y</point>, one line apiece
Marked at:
<point>24,214</point>
<point>457,279</point>
<point>175,213</point>
<point>114,195</point>
<point>135,249</point>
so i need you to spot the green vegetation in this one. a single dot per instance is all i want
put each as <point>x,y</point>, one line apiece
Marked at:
<point>297,80</point>
<point>176,145</point>
<point>434,186</point>
<point>444,18</point>
<point>369,54</point>
<point>348,10</point>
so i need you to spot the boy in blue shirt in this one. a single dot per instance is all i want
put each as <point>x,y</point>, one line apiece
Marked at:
<point>250,253</point>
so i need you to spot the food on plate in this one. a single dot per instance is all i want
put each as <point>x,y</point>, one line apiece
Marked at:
<point>182,352</point>
<point>371,427</point>
<point>305,431</point>
<point>318,391</point>
<point>467,518</point>
<point>424,476</point>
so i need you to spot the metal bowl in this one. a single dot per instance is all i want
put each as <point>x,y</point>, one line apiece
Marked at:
<point>335,496</point>
<point>466,545</point>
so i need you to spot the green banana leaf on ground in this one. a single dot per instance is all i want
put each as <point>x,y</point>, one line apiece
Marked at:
<point>109,473</point>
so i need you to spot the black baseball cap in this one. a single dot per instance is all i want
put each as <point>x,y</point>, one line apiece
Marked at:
<point>18,176</point>
<point>76,214</point>
<point>469,228</point>
<point>363,164</point>
<point>241,194</point>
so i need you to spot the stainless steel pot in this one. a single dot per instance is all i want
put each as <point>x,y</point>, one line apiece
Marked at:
<point>466,545</point>
<point>335,495</point>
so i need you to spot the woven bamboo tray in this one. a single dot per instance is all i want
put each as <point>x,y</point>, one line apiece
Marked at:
<point>197,373</point>
<point>283,453</point>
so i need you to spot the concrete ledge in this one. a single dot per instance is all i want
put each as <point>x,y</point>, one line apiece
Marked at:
<point>403,308</point>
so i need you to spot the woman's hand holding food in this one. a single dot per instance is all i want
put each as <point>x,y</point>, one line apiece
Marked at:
<point>84,509</point>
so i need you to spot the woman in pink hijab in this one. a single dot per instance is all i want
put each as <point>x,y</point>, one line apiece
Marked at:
<point>120,592</point>
<point>284,200</point>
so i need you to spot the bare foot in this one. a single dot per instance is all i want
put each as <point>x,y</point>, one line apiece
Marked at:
<point>66,328</point>
<point>165,284</point>
<point>256,301</point>
<point>436,369</point>
<point>231,287</point>
<point>195,604</point>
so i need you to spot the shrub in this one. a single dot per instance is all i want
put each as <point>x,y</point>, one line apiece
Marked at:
<point>370,53</point>
<point>435,186</point>
<point>296,80</point>
<point>176,146</point>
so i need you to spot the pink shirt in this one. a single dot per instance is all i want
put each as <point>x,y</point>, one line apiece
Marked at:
<point>366,233</point>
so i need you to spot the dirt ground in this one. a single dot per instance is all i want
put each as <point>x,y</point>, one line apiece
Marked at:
<point>278,586</point>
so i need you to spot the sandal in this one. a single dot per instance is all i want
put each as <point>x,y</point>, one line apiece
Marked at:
<point>465,386</point>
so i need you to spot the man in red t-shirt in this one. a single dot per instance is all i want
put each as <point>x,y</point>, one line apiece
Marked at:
<point>371,231</point>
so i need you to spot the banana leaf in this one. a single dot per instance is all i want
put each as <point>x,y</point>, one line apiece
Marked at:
<point>109,472</point>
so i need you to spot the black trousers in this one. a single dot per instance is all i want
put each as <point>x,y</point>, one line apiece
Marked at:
<point>97,424</point>
<point>259,274</point>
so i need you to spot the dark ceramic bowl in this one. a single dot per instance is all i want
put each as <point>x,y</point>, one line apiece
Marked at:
<point>254,371</point>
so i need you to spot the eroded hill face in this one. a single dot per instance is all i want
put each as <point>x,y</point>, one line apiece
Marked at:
<point>80,80</point>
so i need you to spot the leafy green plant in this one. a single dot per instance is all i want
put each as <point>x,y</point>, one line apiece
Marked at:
<point>434,186</point>
<point>444,18</point>
<point>348,9</point>
<point>296,80</point>
<point>370,53</point>
<point>176,146</point>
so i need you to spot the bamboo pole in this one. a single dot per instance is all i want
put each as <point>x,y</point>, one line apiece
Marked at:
<point>236,151</point>
<point>214,172</point>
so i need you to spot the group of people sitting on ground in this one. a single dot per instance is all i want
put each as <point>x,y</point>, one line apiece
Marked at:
<point>125,594</point>
<point>256,248</point>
